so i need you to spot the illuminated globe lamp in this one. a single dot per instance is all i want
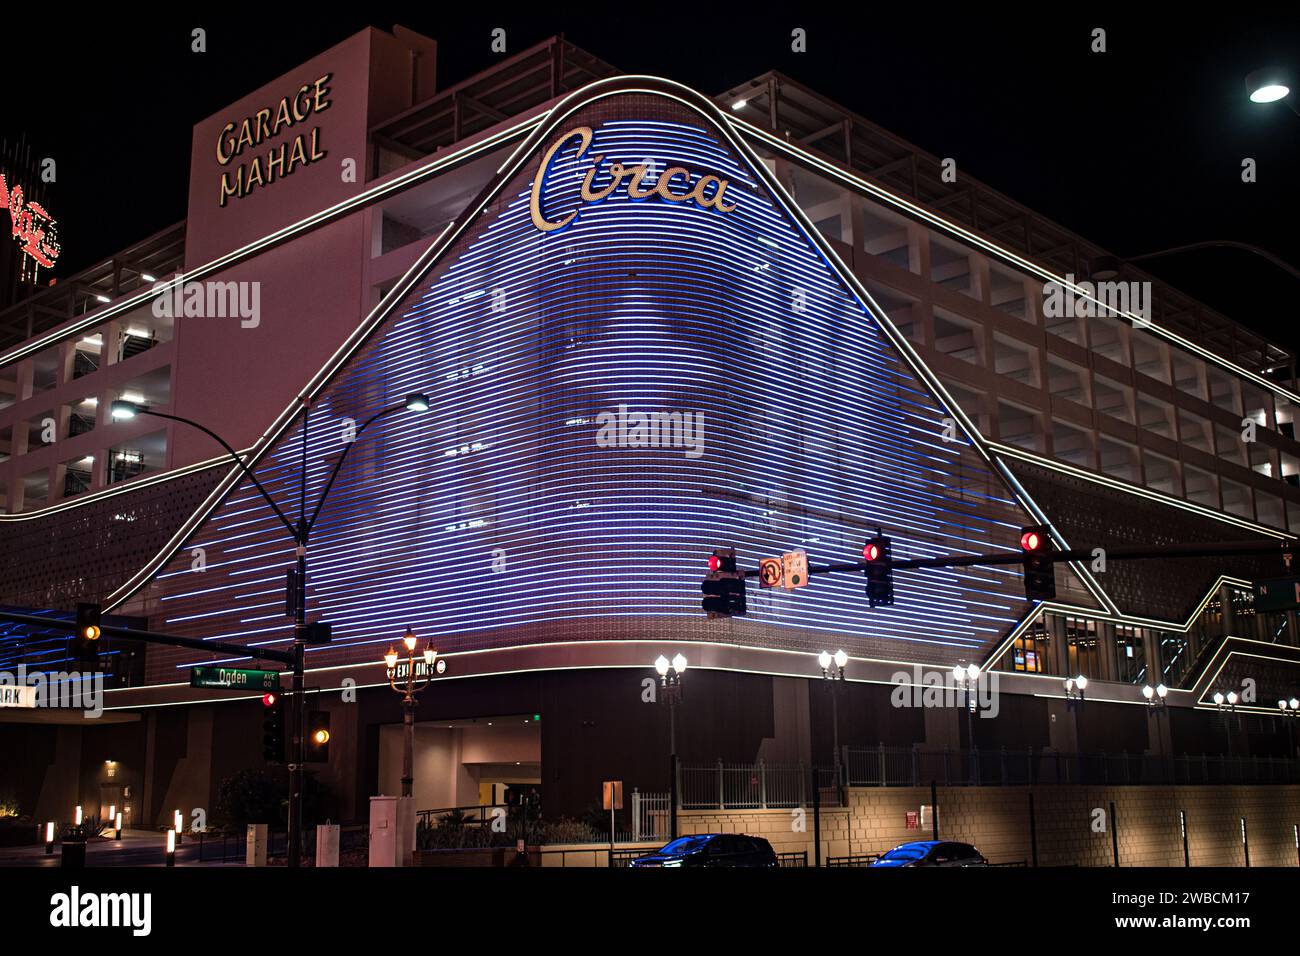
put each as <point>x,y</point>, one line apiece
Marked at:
<point>1155,696</point>
<point>1074,689</point>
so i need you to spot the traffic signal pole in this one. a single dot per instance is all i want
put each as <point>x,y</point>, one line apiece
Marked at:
<point>1121,553</point>
<point>155,637</point>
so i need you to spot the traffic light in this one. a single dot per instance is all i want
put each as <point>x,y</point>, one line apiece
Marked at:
<point>318,633</point>
<point>273,727</point>
<point>318,736</point>
<point>1040,571</point>
<point>724,587</point>
<point>85,640</point>
<point>879,571</point>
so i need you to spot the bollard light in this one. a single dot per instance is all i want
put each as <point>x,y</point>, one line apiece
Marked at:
<point>178,824</point>
<point>49,838</point>
<point>171,847</point>
<point>78,815</point>
<point>118,835</point>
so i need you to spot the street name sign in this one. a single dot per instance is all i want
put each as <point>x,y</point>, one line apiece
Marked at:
<point>234,678</point>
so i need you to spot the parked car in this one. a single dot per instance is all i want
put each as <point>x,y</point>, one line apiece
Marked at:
<point>712,849</point>
<point>932,853</point>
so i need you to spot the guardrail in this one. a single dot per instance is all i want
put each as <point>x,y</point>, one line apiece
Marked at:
<point>912,767</point>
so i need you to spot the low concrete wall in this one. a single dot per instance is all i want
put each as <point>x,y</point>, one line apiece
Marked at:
<point>996,819</point>
<point>789,831</point>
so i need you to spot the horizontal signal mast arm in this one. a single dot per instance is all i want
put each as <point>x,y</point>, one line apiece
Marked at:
<point>152,637</point>
<point>1120,553</point>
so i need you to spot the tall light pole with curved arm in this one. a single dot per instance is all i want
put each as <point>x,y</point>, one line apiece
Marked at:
<point>300,531</point>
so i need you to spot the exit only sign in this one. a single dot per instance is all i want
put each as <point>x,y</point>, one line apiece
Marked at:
<point>1278,594</point>
<point>234,678</point>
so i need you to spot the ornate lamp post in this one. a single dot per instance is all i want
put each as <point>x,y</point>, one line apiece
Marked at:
<point>1226,704</point>
<point>1074,688</point>
<point>410,689</point>
<point>670,686</point>
<point>1289,708</point>
<point>833,674</point>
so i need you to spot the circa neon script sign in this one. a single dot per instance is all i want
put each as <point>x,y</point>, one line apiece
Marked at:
<point>674,185</point>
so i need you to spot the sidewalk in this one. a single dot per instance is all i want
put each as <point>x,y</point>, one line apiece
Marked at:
<point>136,848</point>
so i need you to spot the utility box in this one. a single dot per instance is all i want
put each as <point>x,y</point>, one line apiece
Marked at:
<point>255,851</point>
<point>327,844</point>
<point>386,841</point>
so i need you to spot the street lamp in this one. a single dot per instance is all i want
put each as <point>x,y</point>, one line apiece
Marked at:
<point>1289,708</point>
<point>670,683</point>
<point>1074,689</point>
<point>410,690</point>
<point>967,678</point>
<point>833,666</point>
<point>1269,85</point>
<point>1155,695</point>
<point>300,531</point>
<point>1226,704</point>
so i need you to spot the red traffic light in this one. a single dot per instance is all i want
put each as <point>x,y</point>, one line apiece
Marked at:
<point>871,552</point>
<point>269,699</point>
<point>714,562</point>
<point>1032,541</point>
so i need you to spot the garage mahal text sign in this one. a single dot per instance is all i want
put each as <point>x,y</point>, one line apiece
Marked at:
<point>246,136</point>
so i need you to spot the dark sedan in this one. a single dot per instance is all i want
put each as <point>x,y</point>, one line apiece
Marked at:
<point>712,849</point>
<point>932,853</point>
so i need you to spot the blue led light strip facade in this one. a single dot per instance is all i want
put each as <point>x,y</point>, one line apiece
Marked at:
<point>515,511</point>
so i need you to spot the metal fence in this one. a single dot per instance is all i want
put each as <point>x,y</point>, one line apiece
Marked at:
<point>232,847</point>
<point>912,767</point>
<point>651,816</point>
<point>755,786</point>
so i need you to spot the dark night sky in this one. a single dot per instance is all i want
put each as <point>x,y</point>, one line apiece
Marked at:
<point>1137,149</point>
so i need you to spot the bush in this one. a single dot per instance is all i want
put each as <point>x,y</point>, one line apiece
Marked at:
<point>253,796</point>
